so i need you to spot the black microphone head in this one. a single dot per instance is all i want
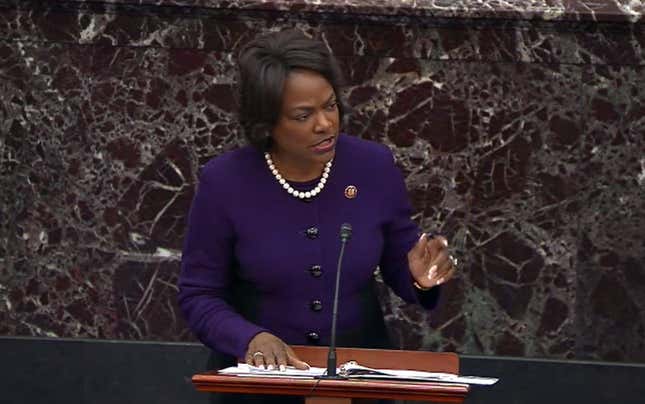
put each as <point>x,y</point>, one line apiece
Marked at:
<point>345,231</point>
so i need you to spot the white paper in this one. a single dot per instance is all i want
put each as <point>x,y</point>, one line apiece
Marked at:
<point>242,369</point>
<point>353,370</point>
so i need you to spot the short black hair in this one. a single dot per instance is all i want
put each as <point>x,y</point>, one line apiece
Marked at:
<point>264,64</point>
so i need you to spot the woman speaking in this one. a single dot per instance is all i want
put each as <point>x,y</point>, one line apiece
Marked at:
<point>262,244</point>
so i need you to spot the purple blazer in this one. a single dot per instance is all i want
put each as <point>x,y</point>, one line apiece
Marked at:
<point>246,233</point>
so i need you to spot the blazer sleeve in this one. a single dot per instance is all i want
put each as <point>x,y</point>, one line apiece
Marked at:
<point>206,274</point>
<point>400,235</point>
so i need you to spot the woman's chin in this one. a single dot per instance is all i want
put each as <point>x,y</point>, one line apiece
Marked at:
<point>323,157</point>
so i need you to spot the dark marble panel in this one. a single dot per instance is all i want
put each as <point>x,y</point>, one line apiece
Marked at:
<point>99,178</point>
<point>477,154</point>
<point>561,10</point>
<point>145,297</point>
<point>57,293</point>
<point>529,159</point>
<point>490,161</point>
<point>219,29</point>
<point>611,257</point>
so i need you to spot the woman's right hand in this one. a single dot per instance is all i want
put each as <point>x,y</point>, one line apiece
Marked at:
<point>267,350</point>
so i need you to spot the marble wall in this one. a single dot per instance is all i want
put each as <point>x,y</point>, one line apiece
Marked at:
<point>520,132</point>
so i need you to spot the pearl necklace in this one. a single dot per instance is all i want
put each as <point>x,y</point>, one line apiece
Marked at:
<point>299,194</point>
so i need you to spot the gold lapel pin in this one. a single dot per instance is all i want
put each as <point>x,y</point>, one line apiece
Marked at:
<point>351,192</point>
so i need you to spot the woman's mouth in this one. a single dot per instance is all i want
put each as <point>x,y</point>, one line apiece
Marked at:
<point>324,146</point>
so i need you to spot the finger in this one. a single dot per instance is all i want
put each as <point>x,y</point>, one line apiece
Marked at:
<point>442,240</point>
<point>249,359</point>
<point>270,362</point>
<point>425,258</point>
<point>418,250</point>
<point>294,361</point>
<point>438,265</point>
<point>451,264</point>
<point>426,255</point>
<point>437,245</point>
<point>258,360</point>
<point>281,359</point>
<point>443,270</point>
<point>444,263</point>
<point>270,357</point>
<point>445,278</point>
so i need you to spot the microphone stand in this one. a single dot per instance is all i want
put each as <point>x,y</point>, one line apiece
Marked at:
<point>345,234</point>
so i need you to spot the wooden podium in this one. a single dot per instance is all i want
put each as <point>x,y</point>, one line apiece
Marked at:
<point>344,391</point>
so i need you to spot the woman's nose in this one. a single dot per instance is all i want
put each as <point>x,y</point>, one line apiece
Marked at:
<point>322,122</point>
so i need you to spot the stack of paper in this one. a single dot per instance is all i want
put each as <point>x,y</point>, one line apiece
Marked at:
<point>353,370</point>
<point>243,369</point>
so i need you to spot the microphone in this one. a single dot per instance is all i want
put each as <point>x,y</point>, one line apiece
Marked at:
<point>345,235</point>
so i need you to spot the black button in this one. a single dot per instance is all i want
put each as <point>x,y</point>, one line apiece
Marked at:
<point>316,271</point>
<point>316,305</point>
<point>313,337</point>
<point>312,232</point>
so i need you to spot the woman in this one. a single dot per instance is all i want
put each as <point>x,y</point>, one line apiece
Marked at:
<point>259,262</point>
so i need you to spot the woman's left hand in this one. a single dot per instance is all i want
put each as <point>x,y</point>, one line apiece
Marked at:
<point>430,262</point>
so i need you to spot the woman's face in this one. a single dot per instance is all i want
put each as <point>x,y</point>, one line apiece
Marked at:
<point>307,129</point>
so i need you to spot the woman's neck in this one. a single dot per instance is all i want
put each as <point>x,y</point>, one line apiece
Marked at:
<point>297,170</point>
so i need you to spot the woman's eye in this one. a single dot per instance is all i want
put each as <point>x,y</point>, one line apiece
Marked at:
<point>302,117</point>
<point>332,106</point>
